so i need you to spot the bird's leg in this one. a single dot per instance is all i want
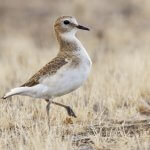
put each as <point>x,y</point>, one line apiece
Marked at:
<point>68,108</point>
<point>47,110</point>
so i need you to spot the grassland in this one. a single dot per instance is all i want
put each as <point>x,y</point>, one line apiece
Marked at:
<point>113,106</point>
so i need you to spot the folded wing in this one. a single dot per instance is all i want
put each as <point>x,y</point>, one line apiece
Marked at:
<point>49,69</point>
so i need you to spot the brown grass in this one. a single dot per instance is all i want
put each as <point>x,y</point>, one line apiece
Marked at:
<point>110,105</point>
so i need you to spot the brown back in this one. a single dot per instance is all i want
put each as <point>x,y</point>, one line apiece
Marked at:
<point>49,69</point>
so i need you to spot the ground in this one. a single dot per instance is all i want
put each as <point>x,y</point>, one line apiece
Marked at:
<point>112,107</point>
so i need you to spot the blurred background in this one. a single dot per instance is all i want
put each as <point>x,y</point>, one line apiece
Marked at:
<point>118,43</point>
<point>118,87</point>
<point>115,24</point>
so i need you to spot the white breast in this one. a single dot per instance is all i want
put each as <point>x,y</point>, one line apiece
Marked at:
<point>66,78</point>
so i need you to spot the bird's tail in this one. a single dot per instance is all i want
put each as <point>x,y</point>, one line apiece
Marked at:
<point>15,91</point>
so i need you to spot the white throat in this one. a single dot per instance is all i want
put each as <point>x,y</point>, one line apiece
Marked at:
<point>69,36</point>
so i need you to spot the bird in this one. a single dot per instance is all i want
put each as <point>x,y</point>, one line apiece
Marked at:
<point>64,73</point>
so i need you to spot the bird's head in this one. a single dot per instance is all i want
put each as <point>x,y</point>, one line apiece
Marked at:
<point>68,24</point>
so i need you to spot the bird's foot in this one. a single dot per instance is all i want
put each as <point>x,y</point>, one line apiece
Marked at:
<point>70,112</point>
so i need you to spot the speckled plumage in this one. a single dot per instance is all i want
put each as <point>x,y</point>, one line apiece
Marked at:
<point>49,69</point>
<point>67,52</point>
<point>65,73</point>
<point>53,66</point>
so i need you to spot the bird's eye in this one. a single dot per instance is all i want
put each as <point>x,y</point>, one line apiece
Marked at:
<point>66,22</point>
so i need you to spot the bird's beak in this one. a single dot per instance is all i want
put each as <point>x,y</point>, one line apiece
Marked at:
<point>82,27</point>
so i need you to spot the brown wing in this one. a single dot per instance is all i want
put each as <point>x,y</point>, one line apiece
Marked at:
<point>49,69</point>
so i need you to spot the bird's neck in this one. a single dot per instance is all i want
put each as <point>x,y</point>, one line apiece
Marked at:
<point>68,42</point>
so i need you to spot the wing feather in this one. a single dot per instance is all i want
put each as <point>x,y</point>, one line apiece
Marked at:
<point>50,68</point>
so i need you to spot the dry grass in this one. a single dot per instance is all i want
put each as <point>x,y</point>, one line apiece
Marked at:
<point>110,105</point>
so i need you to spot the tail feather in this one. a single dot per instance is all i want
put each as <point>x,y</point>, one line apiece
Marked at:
<point>15,91</point>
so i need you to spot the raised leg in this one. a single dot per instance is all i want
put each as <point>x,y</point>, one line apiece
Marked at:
<point>68,109</point>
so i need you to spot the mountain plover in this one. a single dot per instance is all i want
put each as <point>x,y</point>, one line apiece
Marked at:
<point>65,73</point>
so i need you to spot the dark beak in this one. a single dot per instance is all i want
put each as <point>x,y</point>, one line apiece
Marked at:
<point>82,27</point>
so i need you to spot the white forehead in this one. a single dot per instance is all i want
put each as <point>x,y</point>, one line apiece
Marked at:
<point>71,19</point>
